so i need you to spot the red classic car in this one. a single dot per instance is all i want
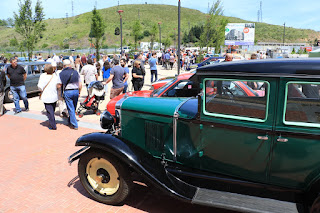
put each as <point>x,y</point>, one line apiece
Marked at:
<point>180,86</point>
<point>169,87</point>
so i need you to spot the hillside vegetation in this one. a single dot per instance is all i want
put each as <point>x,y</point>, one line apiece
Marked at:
<point>76,31</point>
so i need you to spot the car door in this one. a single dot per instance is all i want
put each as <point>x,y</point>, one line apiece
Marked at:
<point>236,129</point>
<point>296,147</point>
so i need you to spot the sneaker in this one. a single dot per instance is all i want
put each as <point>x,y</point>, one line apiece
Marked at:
<point>17,112</point>
<point>27,110</point>
<point>72,127</point>
<point>64,114</point>
<point>51,128</point>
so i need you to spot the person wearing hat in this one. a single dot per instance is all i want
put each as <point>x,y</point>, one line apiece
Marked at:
<point>71,87</point>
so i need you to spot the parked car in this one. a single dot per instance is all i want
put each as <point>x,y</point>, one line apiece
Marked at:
<point>210,60</point>
<point>207,56</point>
<point>176,87</point>
<point>233,151</point>
<point>180,86</point>
<point>33,70</point>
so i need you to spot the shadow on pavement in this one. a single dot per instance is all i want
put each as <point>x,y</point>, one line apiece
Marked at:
<point>150,199</point>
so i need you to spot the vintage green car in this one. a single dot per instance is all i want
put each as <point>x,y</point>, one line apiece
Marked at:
<point>222,148</point>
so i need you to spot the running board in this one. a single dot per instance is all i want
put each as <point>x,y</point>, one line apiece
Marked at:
<point>242,203</point>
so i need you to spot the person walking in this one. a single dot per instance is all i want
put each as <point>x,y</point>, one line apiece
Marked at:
<point>153,62</point>
<point>140,58</point>
<point>48,84</point>
<point>137,76</point>
<point>84,59</point>
<point>123,64</point>
<point>118,76</point>
<point>167,58</point>
<point>106,73</point>
<point>63,112</point>
<point>78,63</point>
<point>17,76</point>
<point>90,73</point>
<point>3,82</point>
<point>71,87</point>
<point>171,60</point>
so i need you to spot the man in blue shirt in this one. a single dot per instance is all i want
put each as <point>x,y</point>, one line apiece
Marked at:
<point>126,69</point>
<point>167,58</point>
<point>153,62</point>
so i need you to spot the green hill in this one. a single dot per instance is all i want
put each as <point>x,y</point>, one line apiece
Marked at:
<point>77,30</point>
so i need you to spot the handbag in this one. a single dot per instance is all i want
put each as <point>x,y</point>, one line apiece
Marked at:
<point>45,87</point>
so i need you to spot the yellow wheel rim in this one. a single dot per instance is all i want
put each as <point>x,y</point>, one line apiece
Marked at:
<point>103,176</point>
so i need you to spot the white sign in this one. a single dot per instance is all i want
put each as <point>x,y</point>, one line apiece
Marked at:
<point>239,34</point>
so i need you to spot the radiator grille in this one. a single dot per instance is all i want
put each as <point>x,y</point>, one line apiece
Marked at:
<point>154,136</point>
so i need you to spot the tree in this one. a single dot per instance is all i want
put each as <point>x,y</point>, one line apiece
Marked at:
<point>29,26</point>
<point>214,28</point>
<point>293,51</point>
<point>153,34</point>
<point>97,31</point>
<point>10,22</point>
<point>167,42</point>
<point>136,32</point>
<point>14,42</point>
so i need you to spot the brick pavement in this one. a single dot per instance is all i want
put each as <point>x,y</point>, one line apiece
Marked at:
<point>35,175</point>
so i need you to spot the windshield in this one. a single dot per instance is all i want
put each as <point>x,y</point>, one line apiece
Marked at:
<point>158,91</point>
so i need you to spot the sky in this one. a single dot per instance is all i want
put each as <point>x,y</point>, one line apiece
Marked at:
<point>294,13</point>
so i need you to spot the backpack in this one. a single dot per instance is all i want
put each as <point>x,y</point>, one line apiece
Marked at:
<point>3,81</point>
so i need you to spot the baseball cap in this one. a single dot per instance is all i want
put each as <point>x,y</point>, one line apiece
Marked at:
<point>66,62</point>
<point>53,63</point>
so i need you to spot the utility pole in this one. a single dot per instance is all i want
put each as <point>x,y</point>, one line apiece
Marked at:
<point>67,18</point>
<point>179,40</point>
<point>284,32</point>
<point>258,16</point>
<point>159,23</point>
<point>175,38</point>
<point>261,11</point>
<point>72,8</point>
<point>189,33</point>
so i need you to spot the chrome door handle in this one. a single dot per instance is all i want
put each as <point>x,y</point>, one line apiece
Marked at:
<point>282,140</point>
<point>264,138</point>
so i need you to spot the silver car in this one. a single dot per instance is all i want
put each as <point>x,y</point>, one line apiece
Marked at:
<point>34,70</point>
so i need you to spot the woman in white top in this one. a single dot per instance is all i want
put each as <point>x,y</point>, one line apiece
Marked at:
<point>48,84</point>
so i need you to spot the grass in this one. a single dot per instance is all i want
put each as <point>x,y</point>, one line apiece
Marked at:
<point>77,30</point>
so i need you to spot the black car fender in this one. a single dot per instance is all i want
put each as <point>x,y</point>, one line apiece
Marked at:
<point>139,161</point>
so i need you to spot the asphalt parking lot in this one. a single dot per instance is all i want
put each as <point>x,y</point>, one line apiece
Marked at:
<point>35,175</point>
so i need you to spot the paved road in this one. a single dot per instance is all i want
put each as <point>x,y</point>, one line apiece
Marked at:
<point>35,175</point>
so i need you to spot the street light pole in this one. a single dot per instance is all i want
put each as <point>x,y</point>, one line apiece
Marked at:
<point>179,55</point>
<point>159,23</point>
<point>120,11</point>
<point>284,32</point>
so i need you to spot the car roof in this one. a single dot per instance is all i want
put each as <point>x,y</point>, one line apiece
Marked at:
<point>268,67</point>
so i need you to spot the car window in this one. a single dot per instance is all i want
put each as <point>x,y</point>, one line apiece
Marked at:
<point>234,99</point>
<point>302,105</point>
<point>158,91</point>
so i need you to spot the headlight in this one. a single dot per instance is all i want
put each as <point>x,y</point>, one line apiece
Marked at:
<point>106,120</point>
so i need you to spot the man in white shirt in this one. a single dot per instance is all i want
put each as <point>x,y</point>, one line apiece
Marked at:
<point>56,58</point>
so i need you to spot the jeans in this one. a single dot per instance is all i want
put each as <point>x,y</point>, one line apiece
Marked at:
<point>125,87</point>
<point>19,92</point>
<point>155,74</point>
<point>1,102</point>
<point>71,98</point>
<point>50,108</point>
